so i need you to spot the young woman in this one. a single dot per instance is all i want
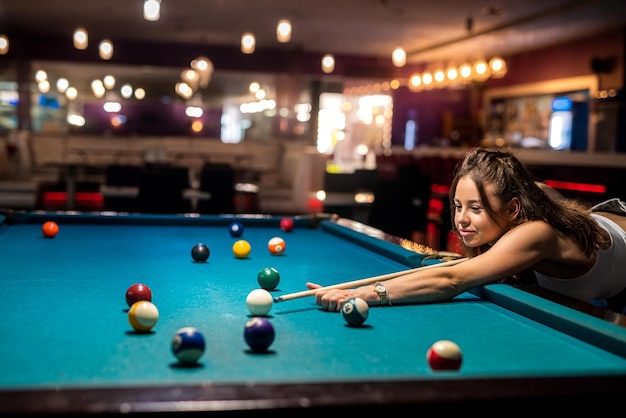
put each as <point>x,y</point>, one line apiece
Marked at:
<point>510,226</point>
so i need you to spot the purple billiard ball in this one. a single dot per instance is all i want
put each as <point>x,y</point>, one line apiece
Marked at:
<point>259,333</point>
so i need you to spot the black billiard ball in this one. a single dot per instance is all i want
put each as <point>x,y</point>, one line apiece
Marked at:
<point>200,253</point>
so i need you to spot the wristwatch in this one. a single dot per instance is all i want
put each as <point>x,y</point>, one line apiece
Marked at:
<point>381,291</point>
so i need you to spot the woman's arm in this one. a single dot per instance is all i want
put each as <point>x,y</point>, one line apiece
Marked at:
<point>518,250</point>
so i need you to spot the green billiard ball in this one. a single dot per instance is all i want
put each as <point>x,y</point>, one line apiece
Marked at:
<point>268,278</point>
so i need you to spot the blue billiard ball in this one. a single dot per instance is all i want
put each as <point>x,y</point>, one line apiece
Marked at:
<point>235,229</point>
<point>259,334</point>
<point>355,311</point>
<point>188,345</point>
<point>200,253</point>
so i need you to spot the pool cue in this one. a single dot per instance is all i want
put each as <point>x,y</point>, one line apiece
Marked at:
<point>362,282</point>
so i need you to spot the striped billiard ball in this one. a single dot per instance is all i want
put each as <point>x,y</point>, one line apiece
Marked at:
<point>444,355</point>
<point>276,245</point>
<point>143,316</point>
<point>355,311</point>
<point>188,345</point>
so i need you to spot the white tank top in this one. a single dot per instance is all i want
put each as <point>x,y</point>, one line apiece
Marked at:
<point>605,279</point>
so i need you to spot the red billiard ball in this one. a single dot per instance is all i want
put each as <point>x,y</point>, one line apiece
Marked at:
<point>276,245</point>
<point>286,224</point>
<point>259,334</point>
<point>138,292</point>
<point>50,229</point>
<point>444,355</point>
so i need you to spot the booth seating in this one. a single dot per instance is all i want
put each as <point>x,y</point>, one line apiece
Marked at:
<point>292,188</point>
<point>161,189</point>
<point>119,191</point>
<point>401,202</point>
<point>218,180</point>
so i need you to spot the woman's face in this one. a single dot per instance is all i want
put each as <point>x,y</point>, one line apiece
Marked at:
<point>473,222</point>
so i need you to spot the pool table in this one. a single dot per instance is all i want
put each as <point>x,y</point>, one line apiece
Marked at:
<point>68,347</point>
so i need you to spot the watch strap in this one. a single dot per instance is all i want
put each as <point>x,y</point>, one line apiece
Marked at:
<point>382,293</point>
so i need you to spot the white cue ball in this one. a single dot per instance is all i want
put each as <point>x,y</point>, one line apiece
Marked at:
<point>259,302</point>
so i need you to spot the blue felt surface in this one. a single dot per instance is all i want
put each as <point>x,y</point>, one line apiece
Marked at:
<point>65,324</point>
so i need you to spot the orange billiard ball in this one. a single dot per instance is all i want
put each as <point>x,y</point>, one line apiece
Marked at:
<point>276,245</point>
<point>50,229</point>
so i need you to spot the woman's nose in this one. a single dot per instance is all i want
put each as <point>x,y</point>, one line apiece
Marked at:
<point>460,217</point>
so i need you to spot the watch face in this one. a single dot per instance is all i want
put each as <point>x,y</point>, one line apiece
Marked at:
<point>380,288</point>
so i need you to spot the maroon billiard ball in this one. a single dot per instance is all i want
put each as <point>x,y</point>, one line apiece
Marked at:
<point>444,355</point>
<point>286,224</point>
<point>138,292</point>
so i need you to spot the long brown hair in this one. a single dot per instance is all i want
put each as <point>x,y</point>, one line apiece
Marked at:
<point>510,178</point>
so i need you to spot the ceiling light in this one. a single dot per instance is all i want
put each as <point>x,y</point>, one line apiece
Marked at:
<point>415,82</point>
<point>152,10</point>
<point>247,43</point>
<point>105,49</point>
<point>62,85</point>
<point>399,57</point>
<point>126,91</point>
<point>481,70</point>
<point>43,86</point>
<point>328,63</point>
<point>427,80</point>
<point>41,75</point>
<point>465,72</point>
<point>81,39</point>
<point>452,73</point>
<point>98,89</point>
<point>4,45</point>
<point>109,81</point>
<point>204,67</point>
<point>140,93</point>
<point>497,66</point>
<point>283,31</point>
<point>71,93</point>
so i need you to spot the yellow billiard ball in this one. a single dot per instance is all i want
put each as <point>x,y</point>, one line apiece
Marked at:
<point>143,316</point>
<point>241,248</point>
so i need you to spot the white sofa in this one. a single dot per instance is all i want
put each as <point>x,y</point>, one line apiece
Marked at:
<point>291,189</point>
